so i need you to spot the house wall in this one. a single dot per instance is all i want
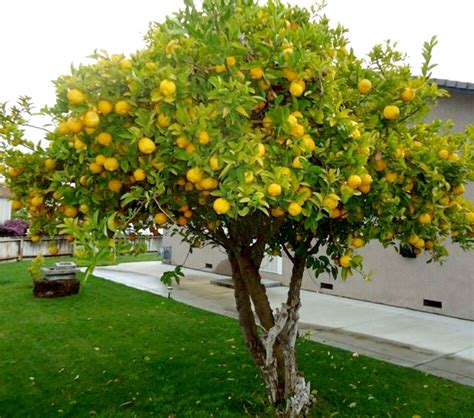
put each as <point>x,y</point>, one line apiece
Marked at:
<point>5,209</point>
<point>396,280</point>
<point>459,108</point>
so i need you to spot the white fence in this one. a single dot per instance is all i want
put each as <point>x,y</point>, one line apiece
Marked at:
<point>17,248</point>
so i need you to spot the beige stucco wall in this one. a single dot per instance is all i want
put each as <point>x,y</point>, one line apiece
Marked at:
<point>396,280</point>
<point>459,107</point>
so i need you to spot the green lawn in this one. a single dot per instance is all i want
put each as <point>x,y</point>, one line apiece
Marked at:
<point>112,351</point>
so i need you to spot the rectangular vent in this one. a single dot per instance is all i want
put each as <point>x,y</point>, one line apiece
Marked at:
<point>328,286</point>
<point>433,303</point>
<point>208,266</point>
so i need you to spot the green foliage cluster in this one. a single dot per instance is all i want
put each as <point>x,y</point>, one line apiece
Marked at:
<point>224,106</point>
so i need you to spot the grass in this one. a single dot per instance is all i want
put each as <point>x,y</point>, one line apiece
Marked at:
<point>112,351</point>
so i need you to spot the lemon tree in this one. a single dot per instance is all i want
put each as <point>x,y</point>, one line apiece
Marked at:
<point>255,128</point>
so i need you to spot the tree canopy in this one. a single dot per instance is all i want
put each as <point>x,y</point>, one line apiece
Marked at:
<point>254,127</point>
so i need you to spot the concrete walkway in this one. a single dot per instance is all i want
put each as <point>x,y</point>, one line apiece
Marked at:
<point>436,344</point>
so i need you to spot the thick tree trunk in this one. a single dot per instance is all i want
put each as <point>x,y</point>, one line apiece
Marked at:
<point>273,348</point>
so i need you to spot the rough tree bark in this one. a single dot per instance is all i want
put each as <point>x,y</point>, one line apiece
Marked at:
<point>271,336</point>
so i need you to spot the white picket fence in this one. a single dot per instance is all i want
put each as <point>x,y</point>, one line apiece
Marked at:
<point>17,248</point>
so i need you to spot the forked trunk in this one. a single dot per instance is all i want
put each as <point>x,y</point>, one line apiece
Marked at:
<point>271,336</point>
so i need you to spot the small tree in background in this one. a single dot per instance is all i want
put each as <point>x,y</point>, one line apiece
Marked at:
<point>253,128</point>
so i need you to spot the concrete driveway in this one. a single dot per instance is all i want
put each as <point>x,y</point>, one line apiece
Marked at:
<point>433,343</point>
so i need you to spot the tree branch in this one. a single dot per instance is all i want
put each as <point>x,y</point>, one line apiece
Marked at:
<point>287,252</point>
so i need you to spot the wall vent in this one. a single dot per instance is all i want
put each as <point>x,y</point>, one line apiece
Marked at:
<point>433,303</point>
<point>208,266</point>
<point>327,286</point>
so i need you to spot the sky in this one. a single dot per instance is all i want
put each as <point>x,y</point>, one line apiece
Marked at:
<point>40,39</point>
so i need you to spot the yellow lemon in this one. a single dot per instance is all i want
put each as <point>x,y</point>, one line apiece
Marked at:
<point>354,181</point>
<point>306,191</point>
<point>194,175</point>
<point>407,95</point>
<point>308,143</point>
<point>221,206</point>
<point>345,261</point>
<point>75,96</point>
<point>16,205</point>
<point>139,174</point>
<point>297,130</point>
<point>331,201</point>
<point>294,209</point>
<point>380,165</point>
<point>214,163</point>
<point>122,108</point>
<point>230,61</point>
<point>248,177</point>
<point>208,183</point>
<point>364,86</point>
<point>95,168</point>
<point>79,145</point>
<point>424,218</point>
<point>443,154</point>
<point>63,129</point>
<point>267,122</point>
<point>49,164</point>
<point>115,185</point>
<point>111,164</point>
<point>182,142</point>
<point>35,238</point>
<point>297,88</point>
<point>366,179</point>
<point>160,218</point>
<point>290,75</point>
<point>91,119</point>
<point>459,189</point>
<point>453,156</point>
<point>37,201</point>
<point>357,242</point>
<point>100,159</point>
<point>274,189</point>
<point>190,148</point>
<point>74,125</point>
<point>391,112</point>
<point>104,107</point>
<point>204,138</point>
<point>53,250</point>
<point>70,212</point>
<point>256,73</point>
<point>277,212</point>
<point>125,64</point>
<point>412,239</point>
<point>391,177</point>
<point>163,120</point>
<point>104,138</point>
<point>146,145</point>
<point>15,171</point>
<point>297,163</point>
<point>167,88</point>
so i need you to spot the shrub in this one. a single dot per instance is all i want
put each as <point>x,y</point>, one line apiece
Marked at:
<point>13,227</point>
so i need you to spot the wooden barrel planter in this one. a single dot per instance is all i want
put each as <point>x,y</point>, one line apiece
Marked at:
<point>58,281</point>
